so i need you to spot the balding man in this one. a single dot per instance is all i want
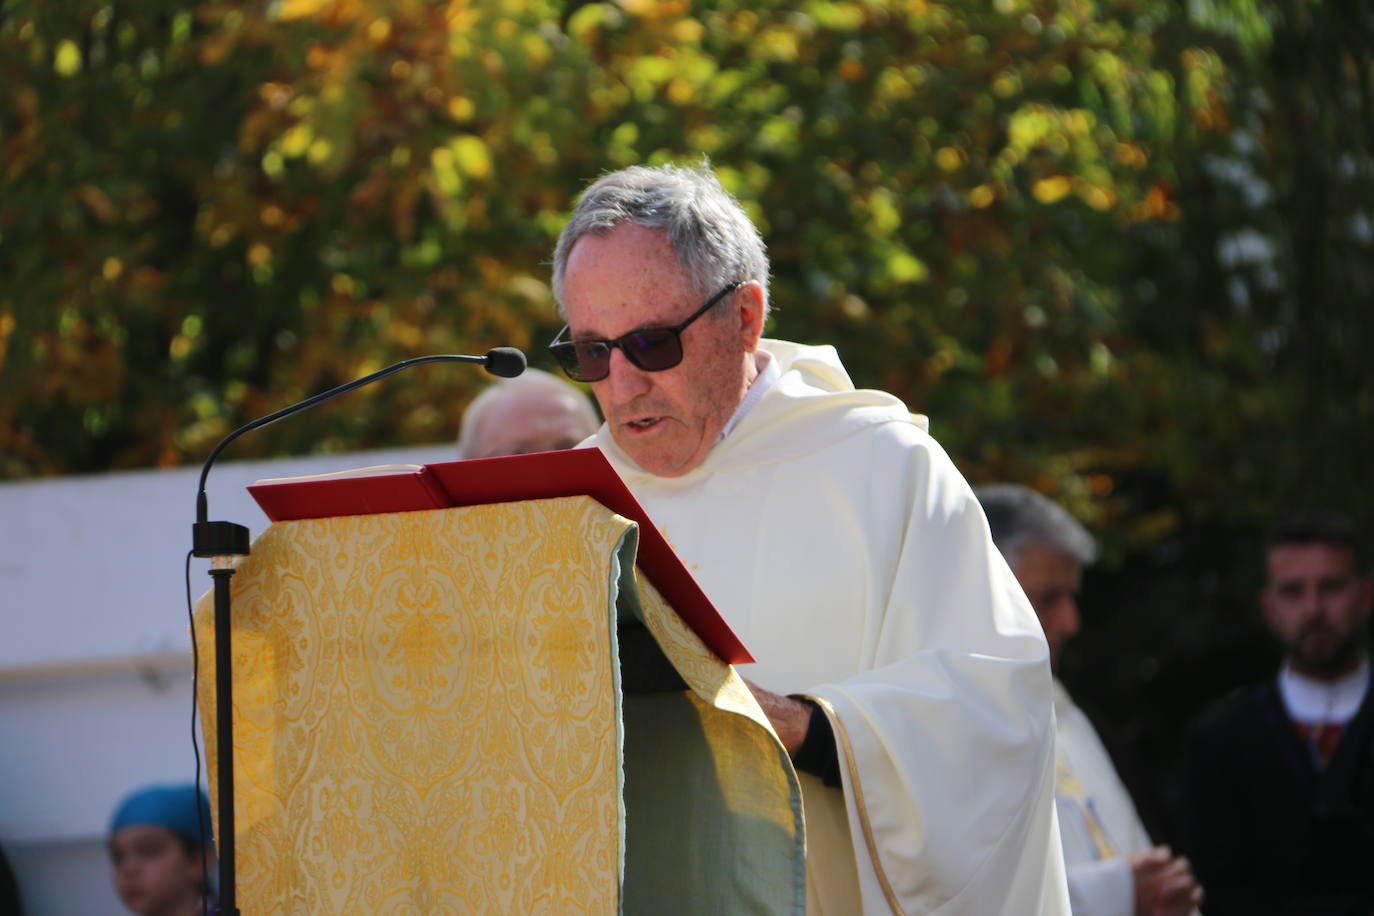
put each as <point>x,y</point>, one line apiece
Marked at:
<point>534,412</point>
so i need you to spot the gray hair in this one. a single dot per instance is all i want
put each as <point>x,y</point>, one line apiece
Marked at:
<point>529,380</point>
<point>1020,517</point>
<point>715,242</point>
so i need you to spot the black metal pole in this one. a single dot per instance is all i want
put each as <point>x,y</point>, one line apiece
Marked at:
<point>221,571</point>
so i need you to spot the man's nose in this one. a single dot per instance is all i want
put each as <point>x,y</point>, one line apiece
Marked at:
<point>625,380</point>
<point>1319,604</point>
<point>1068,617</point>
<point>1313,603</point>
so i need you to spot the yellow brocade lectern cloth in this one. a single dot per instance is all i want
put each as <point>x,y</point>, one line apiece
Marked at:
<point>428,720</point>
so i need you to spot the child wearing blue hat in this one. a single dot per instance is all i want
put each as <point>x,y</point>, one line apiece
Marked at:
<point>157,850</point>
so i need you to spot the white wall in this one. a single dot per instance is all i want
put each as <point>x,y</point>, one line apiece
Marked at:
<point>65,879</point>
<point>95,685</point>
<point>73,746</point>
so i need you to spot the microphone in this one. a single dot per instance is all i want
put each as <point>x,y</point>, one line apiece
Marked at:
<point>507,362</point>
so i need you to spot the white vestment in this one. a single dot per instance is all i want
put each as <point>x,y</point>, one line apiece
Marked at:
<point>837,538</point>
<point>1097,819</point>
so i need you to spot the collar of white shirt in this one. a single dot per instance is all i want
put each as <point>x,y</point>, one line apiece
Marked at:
<point>1310,700</point>
<point>769,372</point>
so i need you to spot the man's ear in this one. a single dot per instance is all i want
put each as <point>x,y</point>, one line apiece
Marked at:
<point>1366,593</point>
<point>750,299</point>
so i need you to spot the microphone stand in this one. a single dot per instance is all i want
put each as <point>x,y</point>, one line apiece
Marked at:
<point>221,541</point>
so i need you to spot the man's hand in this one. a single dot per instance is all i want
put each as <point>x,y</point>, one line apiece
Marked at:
<point>789,717</point>
<point>1164,883</point>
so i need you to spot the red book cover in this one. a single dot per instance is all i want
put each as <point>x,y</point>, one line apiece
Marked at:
<point>386,488</point>
<point>545,475</point>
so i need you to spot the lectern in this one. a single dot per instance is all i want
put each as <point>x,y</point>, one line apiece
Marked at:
<point>489,709</point>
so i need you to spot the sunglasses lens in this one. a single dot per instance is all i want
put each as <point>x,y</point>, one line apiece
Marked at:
<point>654,349</point>
<point>592,360</point>
<point>570,361</point>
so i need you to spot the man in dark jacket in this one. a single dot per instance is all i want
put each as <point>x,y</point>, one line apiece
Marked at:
<point>1279,781</point>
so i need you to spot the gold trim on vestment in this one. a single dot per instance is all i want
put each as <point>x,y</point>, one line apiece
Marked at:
<point>1069,785</point>
<point>856,786</point>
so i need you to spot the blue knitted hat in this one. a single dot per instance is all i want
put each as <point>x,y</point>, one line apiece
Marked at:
<point>173,807</point>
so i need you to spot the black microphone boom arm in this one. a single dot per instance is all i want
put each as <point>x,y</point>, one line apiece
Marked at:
<point>506,362</point>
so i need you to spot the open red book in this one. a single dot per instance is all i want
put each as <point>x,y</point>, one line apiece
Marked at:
<point>544,475</point>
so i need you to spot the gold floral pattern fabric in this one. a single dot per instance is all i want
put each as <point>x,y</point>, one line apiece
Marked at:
<point>711,679</point>
<point>426,712</point>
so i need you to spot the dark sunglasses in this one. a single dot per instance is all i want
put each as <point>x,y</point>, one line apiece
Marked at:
<point>650,349</point>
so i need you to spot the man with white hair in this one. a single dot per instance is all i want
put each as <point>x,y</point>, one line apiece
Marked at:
<point>533,412</point>
<point>898,661</point>
<point>1114,869</point>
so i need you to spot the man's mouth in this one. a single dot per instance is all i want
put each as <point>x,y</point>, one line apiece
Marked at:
<point>643,423</point>
<point>1315,631</point>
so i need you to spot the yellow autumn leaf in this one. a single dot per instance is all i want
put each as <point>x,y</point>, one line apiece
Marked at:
<point>67,61</point>
<point>471,155</point>
<point>302,9</point>
<point>1050,190</point>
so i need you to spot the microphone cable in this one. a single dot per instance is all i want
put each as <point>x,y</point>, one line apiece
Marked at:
<point>195,745</point>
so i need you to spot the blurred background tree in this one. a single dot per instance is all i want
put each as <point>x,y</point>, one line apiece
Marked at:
<point>1120,250</point>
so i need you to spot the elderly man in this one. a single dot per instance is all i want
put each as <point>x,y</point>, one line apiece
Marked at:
<point>1279,784</point>
<point>904,671</point>
<point>533,412</point>
<point>1114,869</point>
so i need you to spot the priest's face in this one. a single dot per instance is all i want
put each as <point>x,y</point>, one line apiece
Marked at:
<point>1318,604</point>
<point>1050,579</point>
<point>629,280</point>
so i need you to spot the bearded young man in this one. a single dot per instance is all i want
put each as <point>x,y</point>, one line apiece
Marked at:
<point>898,660</point>
<point>1279,783</point>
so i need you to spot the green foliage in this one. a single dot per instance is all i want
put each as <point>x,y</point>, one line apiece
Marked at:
<point>253,202</point>
<point>1003,213</point>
